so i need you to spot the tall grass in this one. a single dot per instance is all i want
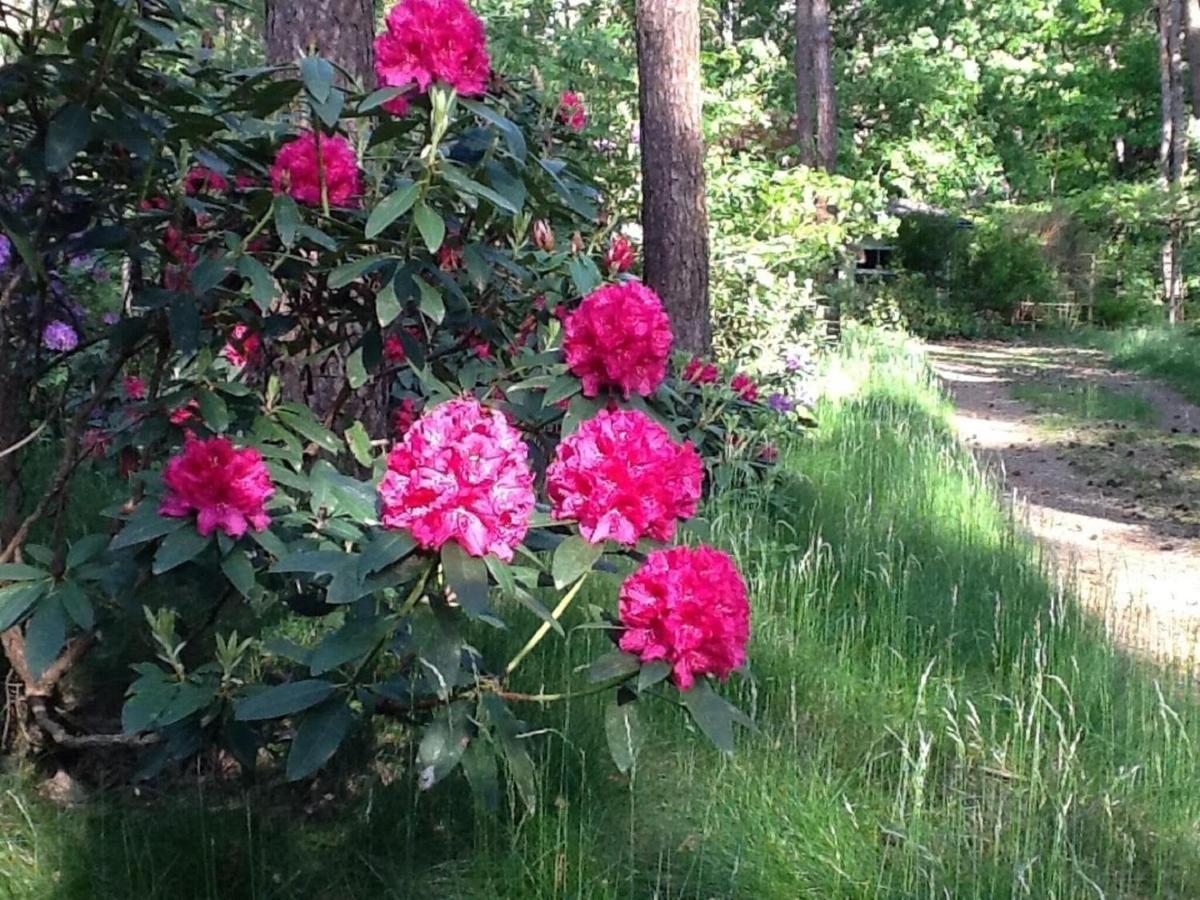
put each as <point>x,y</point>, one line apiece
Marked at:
<point>1171,354</point>
<point>934,719</point>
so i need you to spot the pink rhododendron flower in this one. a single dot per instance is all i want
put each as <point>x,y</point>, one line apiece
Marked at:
<point>300,163</point>
<point>404,417</point>
<point>619,337</point>
<point>572,112</point>
<point>96,442</point>
<point>623,477</point>
<point>245,182</point>
<point>621,257</point>
<point>135,388</point>
<point>461,473</point>
<point>698,371</point>
<point>244,346</point>
<point>227,487</point>
<point>743,385</point>
<point>393,349</point>
<point>430,41</point>
<point>186,413</point>
<point>450,258</point>
<point>203,180</point>
<point>687,606</point>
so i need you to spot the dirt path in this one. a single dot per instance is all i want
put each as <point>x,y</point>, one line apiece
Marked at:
<point>1117,500</point>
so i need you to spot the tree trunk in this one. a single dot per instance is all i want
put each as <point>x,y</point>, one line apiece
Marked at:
<point>806,43</point>
<point>1173,147</point>
<point>674,214</point>
<point>1192,18</point>
<point>342,31</point>
<point>826,95</point>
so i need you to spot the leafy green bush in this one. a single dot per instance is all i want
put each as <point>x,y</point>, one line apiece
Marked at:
<point>289,312</point>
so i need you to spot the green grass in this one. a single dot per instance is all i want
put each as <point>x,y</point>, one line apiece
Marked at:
<point>1073,402</point>
<point>1169,354</point>
<point>934,720</point>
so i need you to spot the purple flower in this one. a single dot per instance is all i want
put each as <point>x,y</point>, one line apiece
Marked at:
<point>5,252</point>
<point>110,318</point>
<point>799,361</point>
<point>780,403</point>
<point>58,335</point>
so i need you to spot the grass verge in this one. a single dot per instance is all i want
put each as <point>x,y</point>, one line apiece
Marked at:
<point>1071,402</point>
<point>1169,354</point>
<point>934,720</point>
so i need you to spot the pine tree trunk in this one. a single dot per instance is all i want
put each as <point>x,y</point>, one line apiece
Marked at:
<point>826,93</point>
<point>806,41</point>
<point>342,31</point>
<point>1192,21</point>
<point>1173,147</point>
<point>674,214</point>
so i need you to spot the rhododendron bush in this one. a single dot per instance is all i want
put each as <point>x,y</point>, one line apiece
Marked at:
<point>367,437</point>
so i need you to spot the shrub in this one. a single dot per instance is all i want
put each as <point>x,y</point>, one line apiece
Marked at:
<point>303,266</point>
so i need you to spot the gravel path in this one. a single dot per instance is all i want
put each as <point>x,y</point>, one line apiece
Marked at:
<point>1118,503</point>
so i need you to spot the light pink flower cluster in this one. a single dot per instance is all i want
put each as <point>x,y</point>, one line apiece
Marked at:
<point>430,41</point>
<point>623,477</point>
<point>620,257</point>
<point>687,606</point>
<point>620,336</point>
<point>228,487</point>
<point>572,112</point>
<point>461,473</point>
<point>300,163</point>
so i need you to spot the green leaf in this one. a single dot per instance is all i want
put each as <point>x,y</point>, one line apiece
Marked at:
<point>624,733</point>
<point>479,765</point>
<point>386,549</point>
<point>208,273</point>
<point>317,75</point>
<point>390,208</point>
<point>467,185</point>
<point>283,700</point>
<point>432,304</point>
<point>584,274</point>
<point>431,226</point>
<point>45,635</point>
<point>240,572</point>
<point>160,32</point>
<point>356,372</point>
<point>713,714</point>
<point>359,443</point>
<point>442,745</point>
<point>468,578</point>
<point>330,109</point>
<point>377,98</point>
<point>179,547</point>
<point>302,421</point>
<point>514,139</point>
<point>287,219</point>
<point>652,673</point>
<point>354,640</point>
<point>320,733</point>
<point>146,702</point>
<point>387,304</point>
<point>68,133</point>
<point>520,766</point>
<point>84,550</point>
<point>612,665</point>
<point>312,562</point>
<point>354,270</point>
<point>213,410</point>
<point>262,285</point>
<point>21,572</point>
<point>187,699</point>
<point>563,387</point>
<point>572,558</point>
<point>77,604</point>
<point>146,525</point>
<point>183,322</point>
